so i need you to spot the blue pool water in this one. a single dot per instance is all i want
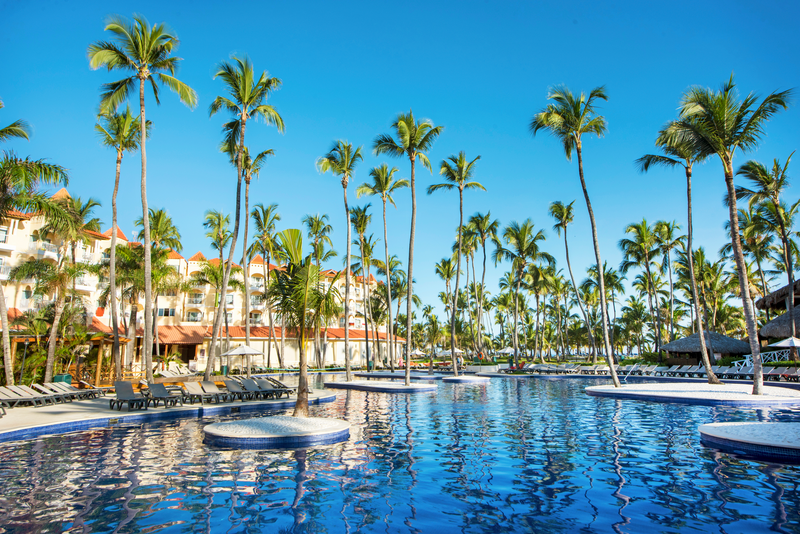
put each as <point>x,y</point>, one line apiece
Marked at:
<point>533,455</point>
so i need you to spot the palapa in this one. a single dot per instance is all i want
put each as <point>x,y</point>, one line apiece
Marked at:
<point>780,327</point>
<point>720,343</point>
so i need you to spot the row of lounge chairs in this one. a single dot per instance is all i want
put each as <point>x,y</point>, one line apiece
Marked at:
<point>43,394</point>
<point>207,391</point>
<point>684,371</point>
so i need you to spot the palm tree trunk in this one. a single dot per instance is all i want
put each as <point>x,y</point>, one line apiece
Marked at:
<point>671,301</point>
<point>347,370</point>
<point>458,276</point>
<point>764,289</point>
<point>389,333</point>
<point>234,238</point>
<point>155,325</point>
<point>653,313</point>
<point>514,337</point>
<point>246,266</point>
<point>577,294</point>
<point>112,272</point>
<point>410,291</point>
<point>364,298</point>
<point>53,338</point>
<point>712,378</point>
<point>600,275</point>
<point>482,298</point>
<point>148,267</point>
<point>536,332</point>
<point>283,343</point>
<point>273,339</point>
<point>8,364</point>
<point>738,255</point>
<point>787,258</point>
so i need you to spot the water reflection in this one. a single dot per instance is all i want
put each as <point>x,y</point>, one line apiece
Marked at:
<point>508,456</point>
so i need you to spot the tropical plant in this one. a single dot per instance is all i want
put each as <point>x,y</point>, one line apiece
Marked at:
<point>265,219</point>
<point>145,51</point>
<point>458,172</point>
<point>360,219</point>
<point>341,160</point>
<point>414,139</point>
<point>568,119</point>
<point>246,98</point>
<point>485,228</point>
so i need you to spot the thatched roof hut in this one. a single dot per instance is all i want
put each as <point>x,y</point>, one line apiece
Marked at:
<point>719,343</point>
<point>780,327</point>
<point>777,299</point>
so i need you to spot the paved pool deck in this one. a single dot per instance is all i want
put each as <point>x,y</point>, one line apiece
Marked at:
<point>382,386</point>
<point>700,393</point>
<point>779,441</point>
<point>30,422</point>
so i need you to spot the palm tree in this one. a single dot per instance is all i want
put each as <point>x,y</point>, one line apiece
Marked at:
<point>457,171</point>
<point>265,219</point>
<point>718,123</point>
<point>414,139</point>
<point>218,226</point>
<point>296,295</point>
<point>522,249</point>
<point>360,220</point>
<point>144,51</point>
<point>341,160</point>
<point>681,152</point>
<point>384,184</point>
<point>247,98</point>
<point>19,183</point>
<point>564,215</point>
<point>446,271</point>
<point>319,233</point>
<point>568,120</point>
<point>768,187</point>
<point>640,251</point>
<point>666,240</point>
<point>121,132</point>
<point>18,129</point>
<point>484,227</point>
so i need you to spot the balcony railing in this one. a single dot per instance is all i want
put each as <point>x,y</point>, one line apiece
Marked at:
<point>4,270</point>
<point>194,318</point>
<point>3,238</point>
<point>195,300</point>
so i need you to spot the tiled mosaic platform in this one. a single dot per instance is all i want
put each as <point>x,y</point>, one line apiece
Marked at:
<point>466,378</point>
<point>278,431</point>
<point>381,386</point>
<point>780,441</point>
<point>399,375</point>
<point>700,393</point>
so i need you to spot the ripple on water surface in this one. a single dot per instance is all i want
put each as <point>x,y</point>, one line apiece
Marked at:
<point>507,456</point>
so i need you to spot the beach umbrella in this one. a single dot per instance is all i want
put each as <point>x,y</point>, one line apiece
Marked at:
<point>417,352</point>
<point>243,350</point>
<point>507,350</point>
<point>788,342</point>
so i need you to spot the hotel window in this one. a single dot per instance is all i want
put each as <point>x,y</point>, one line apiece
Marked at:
<point>229,300</point>
<point>170,292</point>
<point>166,312</point>
<point>194,317</point>
<point>229,317</point>
<point>3,235</point>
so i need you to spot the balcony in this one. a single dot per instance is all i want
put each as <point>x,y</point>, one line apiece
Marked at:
<point>83,284</point>
<point>5,245</point>
<point>257,284</point>
<point>196,301</point>
<point>258,304</point>
<point>43,249</point>
<point>4,270</point>
<point>33,303</point>
<point>194,317</point>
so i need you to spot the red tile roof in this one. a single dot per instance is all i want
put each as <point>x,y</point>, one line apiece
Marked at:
<point>120,235</point>
<point>257,260</point>
<point>215,262</point>
<point>61,193</point>
<point>181,335</point>
<point>14,313</point>
<point>97,235</point>
<point>14,214</point>
<point>174,255</point>
<point>198,257</point>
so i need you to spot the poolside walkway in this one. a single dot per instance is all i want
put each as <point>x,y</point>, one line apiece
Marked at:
<point>700,393</point>
<point>381,386</point>
<point>29,422</point>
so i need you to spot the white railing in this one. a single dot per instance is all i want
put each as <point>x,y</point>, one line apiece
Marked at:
<point>4,270</point>
<point>3,238</point>
<point>36,246</point>
<point>766,357</point>
<point>191,318</point>
<point>257,305</point>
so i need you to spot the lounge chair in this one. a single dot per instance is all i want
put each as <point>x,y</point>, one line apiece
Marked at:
<point>266,385</point>
<point>212,389</point>
<point>742,373</point>
<point>13,398</point>
<point>278,384</point>
<point>252,386</point>
<point>25,390</point>
<point>69,388</point>
<point>195,391</point>
<point>100,390</point>
<point>776,373</point>
<point>235,391</point>
<point>125,395</point>
<point>792,374</point>
<point>48,389</point>
<point>160,393</point>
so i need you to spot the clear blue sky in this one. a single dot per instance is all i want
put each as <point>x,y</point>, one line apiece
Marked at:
<point>480,69</point>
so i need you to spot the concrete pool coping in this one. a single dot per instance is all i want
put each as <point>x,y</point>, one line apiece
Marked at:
<point>396,376</point>
<point>700,393</point>
<point>278,431</point>
<point>382,387</point>
<point>775,440</point>
<point>467,379</point>
<point>31,422</point>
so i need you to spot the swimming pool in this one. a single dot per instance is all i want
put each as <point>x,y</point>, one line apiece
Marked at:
<point>534,455</point>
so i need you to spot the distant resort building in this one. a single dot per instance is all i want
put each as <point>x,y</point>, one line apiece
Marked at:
<point>687,350</point>
<point>778,302</point>
<point>185,319</point>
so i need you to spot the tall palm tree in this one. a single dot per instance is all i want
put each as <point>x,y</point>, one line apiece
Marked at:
<point>564,215</point>
<point>568,120</point>
<point>414,139</point>
<point>19,191</point>
<point>680,151</point>
<point>121,132</point>
<point>145,52</point>
<point>769,185</point>
<point>521,248</point>
<point>385,184</point>
<point>485,228</point>
<point>360,219</point>
<point>265,219</point>
<point>667,240</point>
<point>458,172</point>
<point>341,160</point>
<point>18,129</point>
<point>218,226</point>
<point>246,98</point>
<point>719,123</point>
<point>640,250</point>
<point>319,233</point>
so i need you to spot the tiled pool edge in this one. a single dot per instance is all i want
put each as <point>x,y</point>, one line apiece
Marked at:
<point>155,414</point>
<point>762,451</point>
<point>772,401</point>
